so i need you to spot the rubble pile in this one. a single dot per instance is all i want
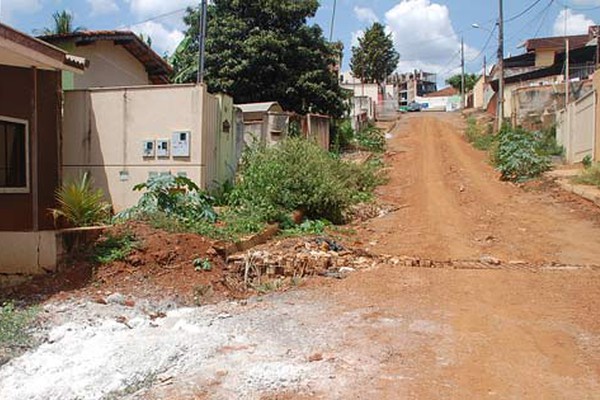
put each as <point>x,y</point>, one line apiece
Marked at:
<point>296,258</point>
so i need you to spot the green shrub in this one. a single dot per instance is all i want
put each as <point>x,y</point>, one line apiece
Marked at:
<point>298,175</point>
<point>343,135</point>
<point>589,176</point>
<point>548,144</point>
<point>519,155</point>
<point>587,162</point>
<point>371,138</point>
<point>176,196</point>
<point>477,137</point>
<point>80,204</point>
<point>111,248</point>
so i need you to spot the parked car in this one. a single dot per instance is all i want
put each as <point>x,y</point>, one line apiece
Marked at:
<point>413,107</point>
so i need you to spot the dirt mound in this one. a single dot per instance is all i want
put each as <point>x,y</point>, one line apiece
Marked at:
<point>179,267</point>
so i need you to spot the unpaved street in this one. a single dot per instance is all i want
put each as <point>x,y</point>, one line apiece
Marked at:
<point>528,328</point>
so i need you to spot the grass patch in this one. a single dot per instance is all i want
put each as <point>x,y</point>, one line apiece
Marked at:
<point>14,329</point>
<point>114,247</point>
<point>589,176</point>
<point>481,138</point>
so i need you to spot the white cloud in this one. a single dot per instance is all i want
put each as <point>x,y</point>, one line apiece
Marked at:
<point>163,39</point>
<point>355,36</point>
<point>365,14</point>
<point>103,7</point>
<point>586,2</point>
<point>577,24</point>
<point>424,37</point>
<point>152,8</point>
<point>10,7</point>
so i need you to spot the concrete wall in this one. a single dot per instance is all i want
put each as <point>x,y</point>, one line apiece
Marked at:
<point>110,65</point>
<point>576,128</point>
<point>479,93</point>
<point>596,84</point>
<point>360,90</point>
<point>105,130</point>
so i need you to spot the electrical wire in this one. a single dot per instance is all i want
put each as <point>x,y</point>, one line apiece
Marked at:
<point>525,11</point>
<point>168,14</point>
<point>564,4</point>
<point>485,46</point>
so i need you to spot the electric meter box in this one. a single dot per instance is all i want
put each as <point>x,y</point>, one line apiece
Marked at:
<point>180,144</point>
<point>162,148</point>
<point>148,150</point>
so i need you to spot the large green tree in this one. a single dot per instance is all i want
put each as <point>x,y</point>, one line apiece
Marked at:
<point>264,50</point>
<point>62,23</point>
<point>375,58</point>
<point>456,81</point>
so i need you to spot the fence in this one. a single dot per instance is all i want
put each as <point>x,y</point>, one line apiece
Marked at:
<point>576,128</point>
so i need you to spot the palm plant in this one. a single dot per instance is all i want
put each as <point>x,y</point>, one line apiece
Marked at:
<point>80,204</point>
<point>63,24</point>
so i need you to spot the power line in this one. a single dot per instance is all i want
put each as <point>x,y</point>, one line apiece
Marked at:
<point>525,11</point>
<point>485,46</point>
<point>564,4</point>
<point>168,14</point>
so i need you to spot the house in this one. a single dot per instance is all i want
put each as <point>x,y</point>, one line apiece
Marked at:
<point>30,142</point>
<point>534,80</point>
<point>381,102</point>
<point>117,58</point>
<point>447,99</point>
<point>415,84</point>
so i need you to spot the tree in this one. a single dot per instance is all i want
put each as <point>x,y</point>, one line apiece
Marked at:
<point>262,51</point>
<point>456,81</point>
<point>375,58</point>
<point>63,24</point>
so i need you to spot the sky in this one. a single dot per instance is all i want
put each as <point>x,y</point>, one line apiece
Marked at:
<point>426,33</point>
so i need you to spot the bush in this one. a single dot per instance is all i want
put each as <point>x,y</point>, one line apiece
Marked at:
<point>111,248</point>
<point>299,175</point>
<point>589,176</point>
<point>475,135</point>
<point>548,143</point>
<point>343,135</point>
<point>519,155</point>
<point>176,196</point>
<point>371,138</point>
<point>80,204</point>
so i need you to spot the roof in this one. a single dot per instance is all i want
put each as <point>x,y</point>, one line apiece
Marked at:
<point>157,68</point>
<point>556,42</point>
<point>258,107</point>
<point>445,92</point>
<point>21,50</point>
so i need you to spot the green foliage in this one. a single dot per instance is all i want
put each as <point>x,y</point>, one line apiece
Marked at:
<point>342,134</point>
<point>375,57</point>
<point>80,204</point>
<point>111,248</point>
<point>175,196</point>
<point>263,51</point>
<point>202,264</point>
<point>519,155</point>
<point>470,81</point>
<point>13,327</point>
<point>62,24</point>
<point>587,162</point>
<point>589,176</point>
<point>308,227</point>
<point>298,175</point>
<point>371,138</point>
<point>475,135</point>
<point>548,144</point>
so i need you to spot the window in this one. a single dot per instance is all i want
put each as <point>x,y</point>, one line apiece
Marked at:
<point>14,172</point>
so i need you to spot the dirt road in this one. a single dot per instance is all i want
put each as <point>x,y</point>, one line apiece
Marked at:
<point>454,206</point>
<point>516,331</point>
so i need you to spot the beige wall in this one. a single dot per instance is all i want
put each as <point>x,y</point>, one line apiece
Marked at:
<point>28,253</point>
<point>110,65</point>
<point>544,58</point>
<point>104,131</point>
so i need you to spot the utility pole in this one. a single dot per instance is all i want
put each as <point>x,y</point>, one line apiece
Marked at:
<point>462,73</point>
<point>484,69</point>
<point>567,79</point>
<point>500,110</point>
<point>332,20</point>
<point>202,40</point>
